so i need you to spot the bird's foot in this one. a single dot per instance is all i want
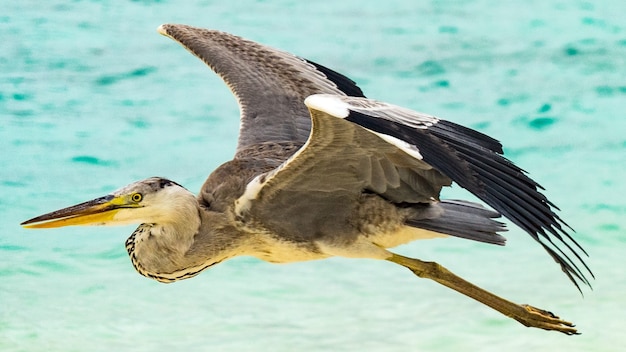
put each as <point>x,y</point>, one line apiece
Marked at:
<point>543,319</point>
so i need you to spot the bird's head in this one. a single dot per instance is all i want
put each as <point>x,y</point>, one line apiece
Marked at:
<point>151,200</point>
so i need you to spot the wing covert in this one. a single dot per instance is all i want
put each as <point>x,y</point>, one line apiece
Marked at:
<point>270,85</point>
<point>338,164</point>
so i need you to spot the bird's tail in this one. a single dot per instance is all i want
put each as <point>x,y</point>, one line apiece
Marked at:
<point>463,219</point>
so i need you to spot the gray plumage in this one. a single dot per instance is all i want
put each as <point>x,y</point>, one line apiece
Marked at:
<point>322,171</point>
<point>463,219</point>
<point>270,85</point>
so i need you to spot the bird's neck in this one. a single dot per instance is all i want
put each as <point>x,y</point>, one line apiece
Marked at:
<point>158,250</point>
<point>191,241</point>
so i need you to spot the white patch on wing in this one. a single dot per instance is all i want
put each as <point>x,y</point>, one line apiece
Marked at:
<point>254,187</point>
<point>330,104</point>
<point>402,145</point>
<point>340,107</point>
<point>242,204</point>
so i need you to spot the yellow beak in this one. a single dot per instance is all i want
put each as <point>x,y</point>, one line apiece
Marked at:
<point>94,212</point>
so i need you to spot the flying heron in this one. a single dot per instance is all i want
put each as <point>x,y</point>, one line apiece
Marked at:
<point>322,171</point>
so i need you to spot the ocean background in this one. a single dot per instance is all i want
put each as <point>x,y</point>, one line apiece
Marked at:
<point>92,98</point>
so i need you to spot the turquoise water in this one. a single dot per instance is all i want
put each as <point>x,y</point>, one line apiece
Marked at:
<point>92,98</point>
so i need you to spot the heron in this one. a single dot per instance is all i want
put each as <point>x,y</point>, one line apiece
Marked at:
<point>322,171</point>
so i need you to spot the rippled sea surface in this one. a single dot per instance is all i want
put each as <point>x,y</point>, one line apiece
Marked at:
<point>92,98</point>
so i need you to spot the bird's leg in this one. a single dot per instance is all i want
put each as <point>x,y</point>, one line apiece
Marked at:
<point>525,314</point>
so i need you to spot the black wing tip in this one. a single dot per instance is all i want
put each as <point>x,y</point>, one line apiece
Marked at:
<point>470,135</point>
<point>569,268</point>
<point>525,205</point>
<point>343,83</point>
<point>473,160</point>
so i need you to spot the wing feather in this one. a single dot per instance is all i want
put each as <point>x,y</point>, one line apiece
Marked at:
<point>338,164</point>
<point>474,161</point>
<point>269,85</point>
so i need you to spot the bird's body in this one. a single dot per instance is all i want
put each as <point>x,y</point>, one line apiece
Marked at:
<point>322,171</point>
<point>157,254</point>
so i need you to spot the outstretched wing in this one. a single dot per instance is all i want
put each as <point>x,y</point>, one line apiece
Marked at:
<point>338,164</point>
<point>269,85</point>
<point>474,161</point>
<point>411,146</point>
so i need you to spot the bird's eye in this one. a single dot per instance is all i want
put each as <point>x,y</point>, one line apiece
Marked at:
<point>136,197</point>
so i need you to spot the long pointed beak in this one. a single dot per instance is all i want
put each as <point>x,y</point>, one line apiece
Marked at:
<point>94,212</point>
